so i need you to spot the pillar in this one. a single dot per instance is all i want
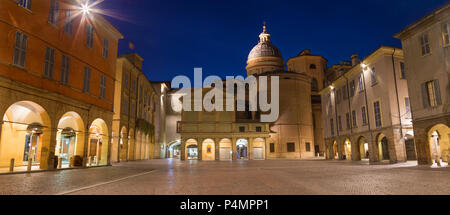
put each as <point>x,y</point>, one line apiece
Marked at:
<point>86,146</point>
<point>217,149</point>
<point>250,148</point>
<point>373,149</point>
<point>233,148</point>
<point>200,148</point>
<point>48,148</point>
<point>183,150</point>
<point>422,146</point>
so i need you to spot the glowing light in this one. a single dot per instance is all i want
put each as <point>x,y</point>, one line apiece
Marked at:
<point>363,66</point>
<point>85,8</point>
<point>331,87</point>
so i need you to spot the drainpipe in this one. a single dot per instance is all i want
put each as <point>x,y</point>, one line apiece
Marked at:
<point>367,108</point>
<point>396,93</point>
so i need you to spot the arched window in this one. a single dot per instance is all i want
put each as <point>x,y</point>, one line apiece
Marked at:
<point>312,66</point>
<point>314,85</point>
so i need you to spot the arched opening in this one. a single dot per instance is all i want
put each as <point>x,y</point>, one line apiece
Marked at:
<point>242,149</point>
<point>410,147</point>
<point>363,147</point>
<point>69,138</point>
<point>347,149</point>
<point>208,150</point>
<point>335,151</point>
<point>98,143</point>
<point>225,149</point>
<point>383,147</point>
<point>25,129</point>
<point>123,144</point>
<point>258,149</point>
<point>174,149</point>
<point>439,139</point>
<point>191,149</point>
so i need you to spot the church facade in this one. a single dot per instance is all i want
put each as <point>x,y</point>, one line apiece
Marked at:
<point>235,135</point>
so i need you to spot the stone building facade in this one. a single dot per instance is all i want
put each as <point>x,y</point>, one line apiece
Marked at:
<point>57,71</point>
<point>366,110</point>
<point>426,44</point>
<point>135,106</point>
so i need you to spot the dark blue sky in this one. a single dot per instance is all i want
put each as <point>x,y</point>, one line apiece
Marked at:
<point>173,37</point>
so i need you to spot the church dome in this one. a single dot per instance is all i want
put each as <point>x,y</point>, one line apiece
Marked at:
<point>264,48</point>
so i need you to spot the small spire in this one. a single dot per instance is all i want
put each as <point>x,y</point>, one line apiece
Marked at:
<point>264,27</point>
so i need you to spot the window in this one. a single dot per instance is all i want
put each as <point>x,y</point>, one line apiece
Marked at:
<point>361,83</point>
<point>408,108</point>
<point>90,36</point>
<point>338,96</point>
<point>347,120</point>
<point>133,86</point>
<point>272,147</point>
<point>312,66</point>
<point>332,127</point>
<point>125,106</point>
<point>49,62</point>
<point>65,65</point>
<point>314,85</point>
<point>68,25</point>
<point>125,80</point>
<point>25,3</point>
<point>352,88</point>
<point>446,33</point>
<point>340,123</point>
<point>258,129</point>
<point>425,44</point>
<point>373,76</point>
<point>133,109</point>
<point>20,49</point>
<point>431,94</point>
<point>377,112</point>
<point>53,14</point>
<point>291,147</point>
<point>102,86</point>
<point>402,70</point>
<point>354,119</point>
<point>364,115</point>
<point>105,48</point>
<point>241,129</point>
<point>345,92</point>
<point>87,80</point>
<point>308,146</point>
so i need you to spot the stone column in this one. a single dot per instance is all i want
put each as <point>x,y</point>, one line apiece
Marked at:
<point>200,148</point>
<point>48,147</point>
<point>373,149</point>
<point>422,146</point>
<point>217,149</point>
<point>86,147</point>
<point>233,148</point>
<point>183,150</point>
<point>250,148</point>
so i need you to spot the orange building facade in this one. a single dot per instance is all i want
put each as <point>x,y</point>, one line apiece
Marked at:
<point>57,74</point>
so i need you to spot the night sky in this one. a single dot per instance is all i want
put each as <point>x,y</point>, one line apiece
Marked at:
<point>173,37</point>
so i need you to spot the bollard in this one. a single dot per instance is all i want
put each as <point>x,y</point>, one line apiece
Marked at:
<point>71,162</point>
<point>30,162</point>
<point>11,165</point>
<point>59,163</point>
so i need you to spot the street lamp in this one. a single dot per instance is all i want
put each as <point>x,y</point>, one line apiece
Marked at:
<point>85,8</point>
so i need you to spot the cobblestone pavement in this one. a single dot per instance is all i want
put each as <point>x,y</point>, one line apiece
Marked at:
<point>235,178</point>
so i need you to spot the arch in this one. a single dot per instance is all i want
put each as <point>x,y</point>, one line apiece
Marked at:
<point>383,147</point>
<point>26,129</point>
<point>208,150</point>
<point>348,149</point>
<point>258,148</point>
<point>225,149</point>
<point>70,137</point>
<point>98,143</point>
<point>439,142</point>
<point>363,148</point>
<point>314,85</point>
<point>191,149</point>
<point>174,149</point>
<point>242,149</point>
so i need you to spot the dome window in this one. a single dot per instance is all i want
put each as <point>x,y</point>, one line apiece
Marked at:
<point>312,66</point>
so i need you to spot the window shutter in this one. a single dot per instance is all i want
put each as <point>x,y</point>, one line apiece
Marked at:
<point>437,92</point>
<point>425,95</point>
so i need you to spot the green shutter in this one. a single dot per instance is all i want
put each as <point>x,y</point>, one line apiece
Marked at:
<point>437,92</point>
<point>425,96</point>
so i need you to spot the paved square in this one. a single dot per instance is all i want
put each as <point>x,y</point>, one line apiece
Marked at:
<point>236,178</point>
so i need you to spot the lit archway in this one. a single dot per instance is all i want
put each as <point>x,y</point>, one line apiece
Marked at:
<point>225,149</point>
<point>208,150</point>
<point>174,149</point>
<point>348,149</point>
<point>258,147</point>
<point>25,130</point>
<point>363,147</point>
<point>98,143</point>
<point>383,147</point>
<point>191,149</point>
<point>439,141</point>
<point>69,138</point>
<point>242,149</point>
